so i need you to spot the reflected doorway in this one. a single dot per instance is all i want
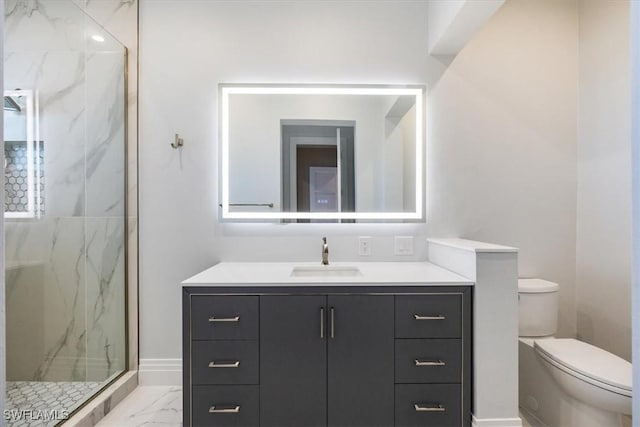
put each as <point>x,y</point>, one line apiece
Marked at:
<point>318,166</point>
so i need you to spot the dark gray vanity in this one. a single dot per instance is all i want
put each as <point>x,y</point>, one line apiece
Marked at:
<point>315,354</point>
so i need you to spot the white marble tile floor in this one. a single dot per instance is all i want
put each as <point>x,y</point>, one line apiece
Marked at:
<point>147,406</point>
<point>151,406</point>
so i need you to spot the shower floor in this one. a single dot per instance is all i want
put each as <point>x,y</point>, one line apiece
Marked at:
<point>44,403</point>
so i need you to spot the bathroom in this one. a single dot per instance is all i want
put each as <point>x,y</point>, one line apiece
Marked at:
<point>527,129</point>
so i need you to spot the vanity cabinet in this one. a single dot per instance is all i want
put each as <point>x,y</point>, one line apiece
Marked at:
<point>327,359</point>
<point>327,356</point>
<point>293,361</point>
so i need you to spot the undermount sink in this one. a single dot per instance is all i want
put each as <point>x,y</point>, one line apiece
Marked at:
<point>326,271</point>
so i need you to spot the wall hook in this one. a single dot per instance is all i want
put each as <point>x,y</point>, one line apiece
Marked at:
<point>179,142</point>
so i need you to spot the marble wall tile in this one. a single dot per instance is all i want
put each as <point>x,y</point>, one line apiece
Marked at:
<point>105,144</point>
<point>49,265</point>
<point>79,243</point>
<point>25,319</point>
<point>58,80</point>
<point>120,18</point>
<point>65,328</point>
<point>24,243</point>
<point>78,333</point>
<point>57,247</point>
<point>38,25</point>
<point>80,3</point>
<point>105,297</point>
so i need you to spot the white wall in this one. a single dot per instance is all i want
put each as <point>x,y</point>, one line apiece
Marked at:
<point>502,141</point>
<point>441,16</point>
<point>187,49</point>
<point>603,281</point>
<point>453,23</point>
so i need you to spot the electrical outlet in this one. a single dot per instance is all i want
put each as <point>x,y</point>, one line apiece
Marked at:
<point>404,245</point>
<point>364,246</point>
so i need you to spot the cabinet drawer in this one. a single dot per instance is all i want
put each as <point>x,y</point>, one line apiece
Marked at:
<point>224,317</point>
<point>225,406</point>
<point>428,316</point>
<point>428,405</point>
<point>224,362</point>
<point>428,361</point>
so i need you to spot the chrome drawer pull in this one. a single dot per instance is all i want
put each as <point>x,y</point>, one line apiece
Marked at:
<point>429,362</point>
<point>429,407</point>
<point>215,364</point>
<point>224,319</point>
<point>224,410</point>
<point>436,317</point>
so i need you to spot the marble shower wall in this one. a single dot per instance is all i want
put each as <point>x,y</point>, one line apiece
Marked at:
<point>77,247</point>
<point>120,18</point>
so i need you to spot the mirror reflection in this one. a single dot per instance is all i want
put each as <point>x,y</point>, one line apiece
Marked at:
<point>321,154</point>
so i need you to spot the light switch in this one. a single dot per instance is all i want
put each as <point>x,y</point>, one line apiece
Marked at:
<point>404,245</point>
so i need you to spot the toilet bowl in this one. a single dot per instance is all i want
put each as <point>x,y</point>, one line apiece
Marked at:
<point>565,382</point>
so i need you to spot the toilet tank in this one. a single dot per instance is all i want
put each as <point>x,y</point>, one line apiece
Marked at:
<point>537,307</point>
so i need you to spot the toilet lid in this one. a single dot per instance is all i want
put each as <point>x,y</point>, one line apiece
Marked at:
<point>590,361</point>
<point>536,286</point>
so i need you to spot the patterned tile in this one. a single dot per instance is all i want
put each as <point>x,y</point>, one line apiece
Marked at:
<point>44,404</point>
<point>16,180</point>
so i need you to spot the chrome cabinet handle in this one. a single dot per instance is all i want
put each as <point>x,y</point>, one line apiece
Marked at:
<point>224,410</point>
<point>429,407</point>
<point>321,322</point>
<point>429,362</point>
<point>435,317</point>
<point>224,319</point>
<point>333,327</point>
<point>215,364</point>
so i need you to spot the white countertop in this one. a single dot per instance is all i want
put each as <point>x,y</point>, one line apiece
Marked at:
<point>279,273</point>
<point>472,245</point>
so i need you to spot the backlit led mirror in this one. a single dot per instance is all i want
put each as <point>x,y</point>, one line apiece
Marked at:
<point>321,153</point>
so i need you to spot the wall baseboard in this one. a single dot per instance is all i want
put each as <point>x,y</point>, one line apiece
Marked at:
<point>496,422</point>
<point>160,372</point>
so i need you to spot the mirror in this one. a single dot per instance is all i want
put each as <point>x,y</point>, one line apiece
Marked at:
<point>321,154</point>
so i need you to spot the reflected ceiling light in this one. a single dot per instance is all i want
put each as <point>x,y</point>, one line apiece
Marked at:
<point>98,38</point>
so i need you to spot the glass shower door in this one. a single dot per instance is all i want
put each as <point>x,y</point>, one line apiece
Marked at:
<point>65,228</point>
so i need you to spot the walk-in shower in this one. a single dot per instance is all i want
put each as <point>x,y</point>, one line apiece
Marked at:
<point>65,209</point>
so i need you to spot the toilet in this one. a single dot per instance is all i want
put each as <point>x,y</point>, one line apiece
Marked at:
<point>564,382</point>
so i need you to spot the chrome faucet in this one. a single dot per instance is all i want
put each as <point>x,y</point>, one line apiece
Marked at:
<point>325,252</point>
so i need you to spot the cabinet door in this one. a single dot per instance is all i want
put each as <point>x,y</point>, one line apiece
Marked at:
<point>361,362</point>
<point>293,361</point>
